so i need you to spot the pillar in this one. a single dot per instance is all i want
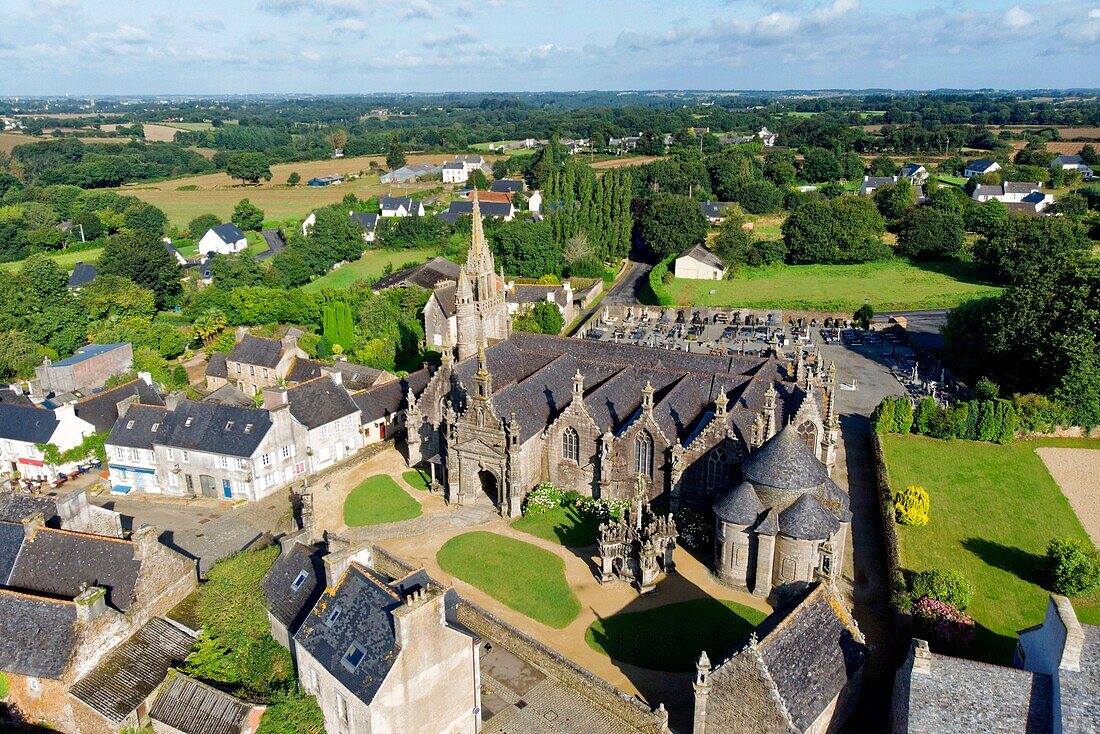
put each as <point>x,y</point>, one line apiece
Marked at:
<point>765,555</point>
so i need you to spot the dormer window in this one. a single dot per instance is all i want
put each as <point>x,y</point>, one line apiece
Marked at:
<point>248,428</point>
<point>353,657</point>
<point>298,581</point>
<point>228,425</point>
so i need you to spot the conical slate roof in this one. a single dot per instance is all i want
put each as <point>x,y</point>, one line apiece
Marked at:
<point>739,506</point>
<point>785,462</point>
<point>807,519</point>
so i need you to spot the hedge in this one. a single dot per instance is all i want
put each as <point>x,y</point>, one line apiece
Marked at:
<point>977,420</point>
<point>661,292</point>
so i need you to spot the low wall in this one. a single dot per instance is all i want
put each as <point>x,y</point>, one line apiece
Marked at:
<point>889,527</point>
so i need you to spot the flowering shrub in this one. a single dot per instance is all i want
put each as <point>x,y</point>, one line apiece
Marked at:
<point>942,624</point>
<point>600,510</point>
<point>546,497</point>
<point>911,506</point>
<point>542,499</point>
<point>696,530</point>
<point>944,584</point>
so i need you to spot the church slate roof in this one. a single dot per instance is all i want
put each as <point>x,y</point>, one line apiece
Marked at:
<point>287,604</point>
<point>785,462</point>
<point>320,401</point>
<point>11,540</point>
<point>48,627</point>
<point>426,275</point>
<point>445,294</point>
<point>1080,689</point>
<point>101,409</point>
<point>807,519</point>
<point>739,505</point>
<point>124,679</point>
<point>192,707</point>
<point>257,351</point>
<point>60,562</point>
<point>358,611</point>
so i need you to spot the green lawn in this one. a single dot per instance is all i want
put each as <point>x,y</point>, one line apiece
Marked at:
<point>889,285</point>
<point>372,263</point>
<point>418,479</point>
<point>519,575</point>
<point>669,638</point>
<point>953,180</point>
<point>561,525</point>
<point>377,500</point>
<point>65,259</point>
<point>994,509</point>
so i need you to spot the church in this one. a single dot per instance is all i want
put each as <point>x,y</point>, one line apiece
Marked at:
<point>512,410</point>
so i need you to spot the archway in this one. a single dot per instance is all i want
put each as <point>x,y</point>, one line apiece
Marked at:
<point>489,486</point>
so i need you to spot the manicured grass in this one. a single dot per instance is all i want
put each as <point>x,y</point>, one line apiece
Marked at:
<point>66,259</point>
<point>372,263</point>
<point>377,500</point>
<point>994,510</point>
<point>561,525</point>
<point>890,285</point>
<point>953,180</point>
<point>418,479</point>
<point>669,638</point>
<point>519,575</point>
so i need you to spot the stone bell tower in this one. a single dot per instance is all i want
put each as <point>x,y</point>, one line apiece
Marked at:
<point>480,311</point>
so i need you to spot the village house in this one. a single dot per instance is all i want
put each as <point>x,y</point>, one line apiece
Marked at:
<point>67,511</point>
<point>915,173</point>
<point>323,408</point>
<point>225,239</point>
<point>368,223</point>
<point>699,263</point>
<point>1027,197</point>
<point>715,211</point>
<point>1072,163</point>
<point>871,183</point>
<point>88,369</point>
<point>187,706</point>
<point>521,297</point>
<point>455,172</point>
<point>101,409</point>
<point>73,607</point>
<point>383,407</point>
<point>497,209</point>
<point>255,363</point>
<point>800,671</point>
<point>435,273</point>
<point>410,173</point>
<point>981,167</point>
<point>400,206</point>
<point>23,428</point>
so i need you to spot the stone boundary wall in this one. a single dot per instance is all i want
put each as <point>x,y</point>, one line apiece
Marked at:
<point>490,627</point>
<point>889,526</point>
<point>1063,432</point>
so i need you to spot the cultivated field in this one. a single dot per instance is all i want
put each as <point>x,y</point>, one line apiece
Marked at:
<point>626,162</point>
<point>371,264</point>
<point>159,133</point>
<point>65,259</point>
<point>1077,472</point>
<point>10,140</point>
<point>889,286</point>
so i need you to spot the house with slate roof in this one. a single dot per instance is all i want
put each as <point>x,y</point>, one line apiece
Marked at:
<point>255,363</point>
<point>388,656</point>
<point>981,167</point>
<point>101,408</point>
<point>225,239</point>
<point>699,263</point>
<point>497,209</point>
<point>68,602</point>
<point>1054,686</point>
<point>327,416</point>
<point>88,369</point>
<point>455,172</point>
<point>400,206</point>
<point>870,183</point>
<point>800,672</point>
<point>508,185</point>
<point>715,211</point>
<point>293,585</point>
<point>1072,163</point>
<point>382,408</point>
<point>368,223</point>
<point>432,274</point>
<point>570,297</point>
<point>23,428</point>
<point>914,172</point>
<point>410,173</point>
<point>68,511</point>
<point>83,274</point>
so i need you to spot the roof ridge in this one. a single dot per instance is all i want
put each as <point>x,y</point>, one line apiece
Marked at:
<point>36,597</point>
<point>371,576</point>
<point>75,534</point>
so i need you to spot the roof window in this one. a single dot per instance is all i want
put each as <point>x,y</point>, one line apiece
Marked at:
<point>298,581</point>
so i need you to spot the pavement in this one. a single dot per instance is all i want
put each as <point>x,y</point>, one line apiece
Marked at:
<point>628,287</point>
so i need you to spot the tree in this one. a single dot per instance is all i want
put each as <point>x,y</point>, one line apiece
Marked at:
<point>851,165</point>
<point>337,325</point>
<point>210,324</point>
<point>337,138</point>
<point>88,226</point>
<point>883,165</point>
<point>986,389</point>
<point>1089,155</point>
<point>578,248</point>
<point>44,276</point>
<point>864,315</point>
<point>1073,567</point>
<point>395,154</point>
<point>234,271</point>
<point>911,506</point>
<point>293,179</point>
<point>112,297</point>
<point>893,199</point>
<point>145,218</point>
<point>477,180</point>
<point>18,355</point>
<point>526,248</point>
<point>930,233</point>
<point>1023,246</point>
<point>671,224</point>
<point>201,224</point>
<point>548,316</point>
<point>144,260</point>
<point>248,216</point>
<point>986,218</point>
<point>844,230</point>
<point>943,584</point>
<point>248,167</point>
<point>758,197</point>
<point>820,164</point>
<point>650,144</point>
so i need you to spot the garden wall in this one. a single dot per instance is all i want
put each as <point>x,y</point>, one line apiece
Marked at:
<point>889,527</point>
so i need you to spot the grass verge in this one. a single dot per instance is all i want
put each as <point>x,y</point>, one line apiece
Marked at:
<point>563,525</point>
<point>378,500</point>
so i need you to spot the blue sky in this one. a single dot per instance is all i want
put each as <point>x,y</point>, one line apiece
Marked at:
<point>358,46</point>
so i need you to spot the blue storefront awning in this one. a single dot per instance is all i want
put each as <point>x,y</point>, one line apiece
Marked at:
<point>120,489</point>
<point>134,469</point>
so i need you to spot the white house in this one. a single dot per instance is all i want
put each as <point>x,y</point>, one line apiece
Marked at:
<point>329,417</point>
<point>400,206</point>
<point>870,183</point>
<point>767,137</point>
<point>308,222</point>
<point>1072,163</point>
<point>225,239</point>
<point>915,172</point>
<point>455,172</point>
<point>1010,192</point>
<point>981,167</point>
<point>368,223</point>
<point>534,202</point>
<point>24,426</point>
<point>699,263</point>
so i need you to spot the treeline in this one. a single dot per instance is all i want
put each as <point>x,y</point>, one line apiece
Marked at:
<point>101,165</point>
<point>975,420</point>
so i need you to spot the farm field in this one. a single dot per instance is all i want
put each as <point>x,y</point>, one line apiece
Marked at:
<point>372,263</point>
<point>890,285</point>
<point>9,140</point>
<point>996,538</point>
<point>65,259</point>
<point>626,162</point>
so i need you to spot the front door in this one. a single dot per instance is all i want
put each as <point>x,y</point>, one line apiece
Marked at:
<point>206,482</point>
<point>227,491</point>
<point>489,486</point>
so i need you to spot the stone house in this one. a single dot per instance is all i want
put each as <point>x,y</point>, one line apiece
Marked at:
<point>101,408</point>
<point>800,671</point>
<point>293,585</point>
<point>571,302</point>
<point>67,601</point>
<point>786,524</point>
<point>383,408</point>
<point>88,369</point>
<point>255,363</point>
<point>68,511</point>
<point>699,263</point>
<point>384,656</point>
<point>329,417</point>
<point>1053,688</point>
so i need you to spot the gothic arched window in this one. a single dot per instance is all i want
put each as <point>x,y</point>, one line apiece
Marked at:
<point>643,454</point>
<point>570,445</point>
<point>808,432</point>
<point>717,467</point>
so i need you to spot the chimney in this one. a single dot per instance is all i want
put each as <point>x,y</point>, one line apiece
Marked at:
<point>123,406</point>
<point>90,603</point>
<point>290,342</point>
<point>32,523</point>
<point>145,541</point>
<point>922,657</point>
<point>422,610</point>
<point>335,566</point>
<point>336,375</point>
<point>146,377</point>
<point>240,333</point>
<point>275,397</point>
<point>1075,636</point>
<point>172,400</point>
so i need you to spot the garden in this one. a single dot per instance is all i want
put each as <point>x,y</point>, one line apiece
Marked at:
<point>984,535</point>
<point>565,517</point>
<point>519,575</point>
<point>378,500</point>
<point>669,637</point>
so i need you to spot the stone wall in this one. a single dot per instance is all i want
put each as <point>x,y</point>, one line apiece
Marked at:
<point>889,526</point>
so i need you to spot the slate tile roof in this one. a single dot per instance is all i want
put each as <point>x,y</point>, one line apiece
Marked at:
<point>320,401</point>
<point>14,506</point>
<point>1067,160</point>
<point>740,506</point>
<point>228,232</point>
<point>132,671</point>
<point>807,519</point>
<point>390,397</point>
<point>194,425</point>
<point>785,462</point>
<point>48,622</point>
<point>229,395</point>
<point>714,209</point>
<point>258,351</point>
<point>32,425</point>
<point>11,540</point>
<point>446,297</point>
<point>981,164</point>
<point>82,275</point>
<point>101,409</point>
<point>61,563</point>
<point>426,275</point>
<point>703,255</point>
<point>289,605</point>
<point>135,430</point>
<point>393,203</point>
<point>368,222</point>
<point>1021,187</point>
<point>1080,689</point>
<point>216,367</point>
<point>192,707</point>
<point>358,611</point>
<point>488,209</point>
<point>14,397</point>
<point>508,185</point>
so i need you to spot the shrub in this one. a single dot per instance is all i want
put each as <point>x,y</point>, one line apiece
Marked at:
<point>943,584</point>
<point>542,499</point>
<point>911,506</point>
<point>696,529</point>
<point>924,416</point>
<point>662,295</point>
<point>1073,567</point>
<point>942,624</point>
<point>986,389</point>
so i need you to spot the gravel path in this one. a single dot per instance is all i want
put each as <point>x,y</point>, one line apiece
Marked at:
<point>1077,472</point>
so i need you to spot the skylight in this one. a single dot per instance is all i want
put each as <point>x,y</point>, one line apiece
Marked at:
<point>228,425</point>
<point>248,428</point>
<point>129,425</point>
<point>298,581</point>
<point>333,616</point>
<point>187,422</point>
<point>353,656</point>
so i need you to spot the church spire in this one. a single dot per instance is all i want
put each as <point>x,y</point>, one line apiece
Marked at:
<point>477,240</point>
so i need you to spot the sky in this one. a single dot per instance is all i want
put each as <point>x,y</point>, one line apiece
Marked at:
<point>102,47</point>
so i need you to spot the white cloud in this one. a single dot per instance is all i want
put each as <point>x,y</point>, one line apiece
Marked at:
<point>460,35</point>
<point>839,8</point>
<point>777,25</point>
<point>1095,13</point>
<point>1017,17</point>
